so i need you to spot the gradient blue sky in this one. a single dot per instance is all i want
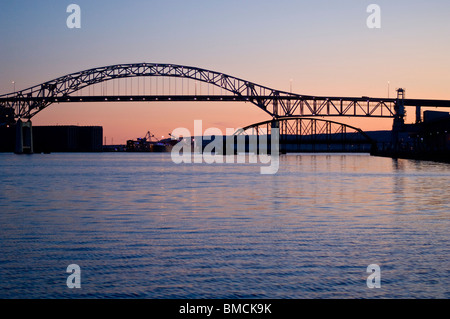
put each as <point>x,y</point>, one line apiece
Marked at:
<point>325,47</point>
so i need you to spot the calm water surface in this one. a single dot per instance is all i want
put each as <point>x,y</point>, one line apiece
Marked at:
<point>140,226</point>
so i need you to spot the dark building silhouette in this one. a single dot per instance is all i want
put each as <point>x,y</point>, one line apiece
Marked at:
<point>68,138</point>
<point>426,140</point>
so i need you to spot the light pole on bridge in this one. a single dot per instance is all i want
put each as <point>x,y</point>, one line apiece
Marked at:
<point>388,87</point>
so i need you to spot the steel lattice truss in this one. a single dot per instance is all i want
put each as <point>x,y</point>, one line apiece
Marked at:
<point>27,103</point>
<point>309,130</point>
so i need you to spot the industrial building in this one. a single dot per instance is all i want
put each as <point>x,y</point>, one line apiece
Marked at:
<point>64,138</point>
<point>428,139</point>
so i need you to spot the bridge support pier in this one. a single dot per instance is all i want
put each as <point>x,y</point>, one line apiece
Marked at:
<point>24,137</point>
<point>418,114</point>
<point>399,119</point>
<point>281,147</point>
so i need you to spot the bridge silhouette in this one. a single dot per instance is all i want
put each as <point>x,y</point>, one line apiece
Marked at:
<point>300,134</point>
<point>280,105</point>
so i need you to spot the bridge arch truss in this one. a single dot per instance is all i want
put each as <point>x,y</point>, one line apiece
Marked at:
<point>300,134</point>
<point>26,103</point>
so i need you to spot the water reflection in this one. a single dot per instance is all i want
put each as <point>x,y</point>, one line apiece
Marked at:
<point>141,226</point>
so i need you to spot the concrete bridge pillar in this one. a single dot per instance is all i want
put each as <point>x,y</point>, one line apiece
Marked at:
<point>418,114</point>
<point>24,137</point>
<point>281,147</point>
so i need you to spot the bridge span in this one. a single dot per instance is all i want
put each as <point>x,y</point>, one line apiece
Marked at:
<point>22,105</point>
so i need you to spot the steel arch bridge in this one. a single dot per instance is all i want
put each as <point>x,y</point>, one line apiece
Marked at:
<point>298,134</point>
<point>24,104</point>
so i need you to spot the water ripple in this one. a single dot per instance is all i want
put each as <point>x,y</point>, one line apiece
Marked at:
<point>143,227</point>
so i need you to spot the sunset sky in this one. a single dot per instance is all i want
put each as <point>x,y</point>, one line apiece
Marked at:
<point>324,47</point>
